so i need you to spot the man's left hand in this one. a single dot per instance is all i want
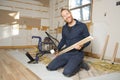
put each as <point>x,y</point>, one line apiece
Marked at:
<point>78,47</point>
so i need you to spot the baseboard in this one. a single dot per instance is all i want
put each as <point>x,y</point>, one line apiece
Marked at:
<point>94,55</point>
<point>17,47</point>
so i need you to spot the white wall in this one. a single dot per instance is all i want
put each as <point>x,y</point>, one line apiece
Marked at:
<point>106,21</point>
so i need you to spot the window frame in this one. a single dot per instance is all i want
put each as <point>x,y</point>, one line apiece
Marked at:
<point>83,6</point>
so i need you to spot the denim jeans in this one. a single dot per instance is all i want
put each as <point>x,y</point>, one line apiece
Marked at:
<point>70,61</point>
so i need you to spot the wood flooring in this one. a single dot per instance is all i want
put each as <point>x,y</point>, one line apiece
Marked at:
<point>11,69</point>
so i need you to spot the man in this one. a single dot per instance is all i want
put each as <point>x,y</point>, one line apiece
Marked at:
<point>72,32</point>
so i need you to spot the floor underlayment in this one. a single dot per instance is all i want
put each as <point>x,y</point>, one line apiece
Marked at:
<point>41,71</point>
<point>111,76</point>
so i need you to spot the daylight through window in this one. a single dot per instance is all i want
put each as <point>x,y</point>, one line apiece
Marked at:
<point>81,9</point>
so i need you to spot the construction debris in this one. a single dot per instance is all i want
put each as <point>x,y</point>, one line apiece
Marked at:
<point>45,59</point>
<point>105,66</point>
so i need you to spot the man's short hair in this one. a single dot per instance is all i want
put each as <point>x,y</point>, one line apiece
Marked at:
<point>65,9</point>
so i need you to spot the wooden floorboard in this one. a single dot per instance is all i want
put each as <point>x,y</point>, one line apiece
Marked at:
<point>11,69</point>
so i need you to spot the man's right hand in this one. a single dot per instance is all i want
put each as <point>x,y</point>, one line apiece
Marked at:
<point>56,53</point>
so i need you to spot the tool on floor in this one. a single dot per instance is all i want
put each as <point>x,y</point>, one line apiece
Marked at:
<point>49,41</point>
<point>30,57</point>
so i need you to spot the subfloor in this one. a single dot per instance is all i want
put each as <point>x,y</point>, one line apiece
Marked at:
<point>39,71</point>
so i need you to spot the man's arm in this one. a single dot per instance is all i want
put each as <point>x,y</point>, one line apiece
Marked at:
<point>62,42</point>
<point>85,34</point>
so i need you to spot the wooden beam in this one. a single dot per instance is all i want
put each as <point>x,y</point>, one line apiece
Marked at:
<point>81,42</point>
<point>115,52</point>
<point>104,48</point>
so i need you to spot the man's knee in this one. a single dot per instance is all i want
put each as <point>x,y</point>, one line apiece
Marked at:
<point>50,68</point>
<point>71,71</point>
<point>68,72</point>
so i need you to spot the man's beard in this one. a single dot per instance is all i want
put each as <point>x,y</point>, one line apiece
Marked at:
<point>69,22</point>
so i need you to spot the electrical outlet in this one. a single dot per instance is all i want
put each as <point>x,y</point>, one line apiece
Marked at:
<point>118,3</point>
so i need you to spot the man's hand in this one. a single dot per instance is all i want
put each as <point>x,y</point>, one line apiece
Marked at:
<point>78,47</point>
<point>56,53</point>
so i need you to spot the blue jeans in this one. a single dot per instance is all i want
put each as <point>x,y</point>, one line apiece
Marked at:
<point>70,61</point>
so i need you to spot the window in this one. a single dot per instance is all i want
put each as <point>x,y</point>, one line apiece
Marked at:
<point>81,9</point>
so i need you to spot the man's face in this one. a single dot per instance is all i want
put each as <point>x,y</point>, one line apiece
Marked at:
<point>67,16</point>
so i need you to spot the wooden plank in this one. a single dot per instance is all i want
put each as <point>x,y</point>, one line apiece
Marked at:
<point>115,52</point>
<point>11,69</point>
<point>104,48</point>
<point>81,42</point>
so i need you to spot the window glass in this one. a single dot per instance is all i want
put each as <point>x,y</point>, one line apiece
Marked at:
<point>74,3</point>
<point>81,9</point>
<point>85,2</point>
<point>76,14</point>
<point>86,13</point>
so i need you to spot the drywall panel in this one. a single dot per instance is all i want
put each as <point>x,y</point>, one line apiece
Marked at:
<point>5,35</point>
<point>106,21</point>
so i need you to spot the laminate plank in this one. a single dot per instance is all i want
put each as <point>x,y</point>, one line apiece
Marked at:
<point>11,69</point>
